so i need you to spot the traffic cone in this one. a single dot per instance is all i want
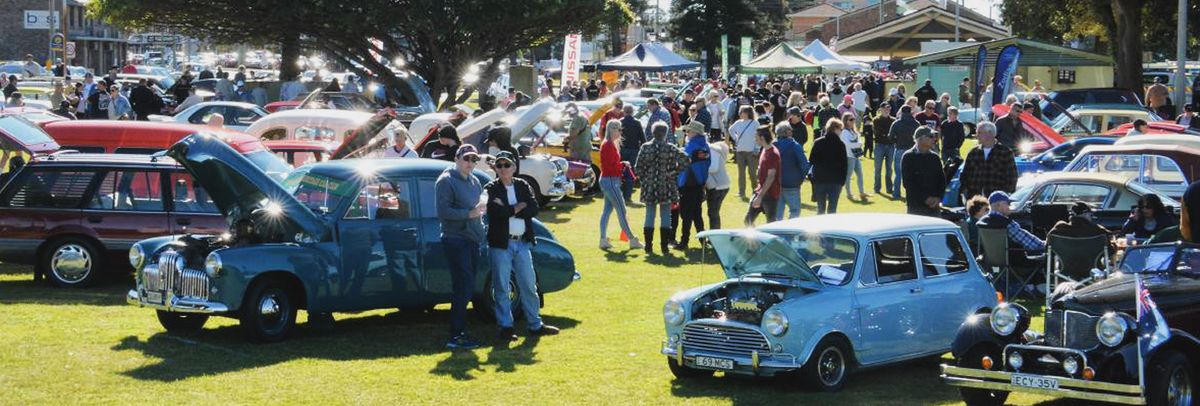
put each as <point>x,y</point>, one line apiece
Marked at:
<point>624,237</point>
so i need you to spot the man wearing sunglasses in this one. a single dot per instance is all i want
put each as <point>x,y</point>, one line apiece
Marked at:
<point>460,206</point>
<point>511,208</point>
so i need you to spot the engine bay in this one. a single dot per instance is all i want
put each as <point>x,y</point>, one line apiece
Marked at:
<point>743,302</point>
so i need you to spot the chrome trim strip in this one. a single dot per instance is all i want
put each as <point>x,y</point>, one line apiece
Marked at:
<point>178,305</point>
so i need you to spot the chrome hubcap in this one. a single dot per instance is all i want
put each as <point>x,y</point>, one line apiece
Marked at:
<point>1179,389</point>
<point>71,263</point>
<point>831,366</point>
<point>268,307</point>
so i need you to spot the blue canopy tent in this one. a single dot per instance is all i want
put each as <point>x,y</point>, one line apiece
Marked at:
<point>648,57</point>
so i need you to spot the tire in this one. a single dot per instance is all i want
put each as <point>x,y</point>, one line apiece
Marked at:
<point>268,313</point>
<point>72,262</point>
<point>181,322</point>
<point>1170,381</point>
<point>542,199</point>
<point>485,303</point>
<point>685,373</point>
<point>595,186</point>
<point>828,366</point>
<point>980,397</point>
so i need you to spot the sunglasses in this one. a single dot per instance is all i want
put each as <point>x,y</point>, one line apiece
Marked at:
<point>471,159</point>
<point>504,166</point>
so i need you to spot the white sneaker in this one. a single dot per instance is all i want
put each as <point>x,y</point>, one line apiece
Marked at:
<point>635,244</point>
<point>604,244</point>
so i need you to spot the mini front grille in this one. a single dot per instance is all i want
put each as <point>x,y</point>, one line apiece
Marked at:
<point>730,340</point>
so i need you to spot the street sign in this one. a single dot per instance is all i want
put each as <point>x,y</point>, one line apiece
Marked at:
<point>70,49</point>
<point>40,19</point>
<point>57,41</point>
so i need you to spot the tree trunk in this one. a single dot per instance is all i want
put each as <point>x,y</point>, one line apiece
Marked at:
<point>289,53</point>
<point>1127,44</point>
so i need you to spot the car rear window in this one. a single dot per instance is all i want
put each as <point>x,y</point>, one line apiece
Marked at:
<point>23,130</point>
<point>49,189</point>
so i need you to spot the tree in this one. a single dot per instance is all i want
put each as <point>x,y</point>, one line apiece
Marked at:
<point>617,19</point>
<point>699,24</point>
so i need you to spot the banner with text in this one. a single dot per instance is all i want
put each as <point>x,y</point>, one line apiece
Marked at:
<point>570,60</point>
<point>724,54</point>
<point>980,62</point>
<point>747,51</point>
<point>1006,68</point>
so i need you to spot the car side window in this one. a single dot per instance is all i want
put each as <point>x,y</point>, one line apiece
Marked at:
<point>894,260</point>
<point>189,197</point>
<point>275,134</point>
<point>1163,171</point>
<point>201,115</point>
<point>50,189</point>
<point>382,200</point>
<point>428,198</point>
<point>131,190</point>
<point>314,133</point>
<point>1093,195</point>
<point>942,254</point>
<point>136,151</point>
<point>241,116</point>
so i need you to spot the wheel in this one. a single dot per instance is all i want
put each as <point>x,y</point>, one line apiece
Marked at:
<point>181,322</point>
<point>980,397</point>
<point>828,365</point>
<point>595,186</point>
<point>485,303</point>
<point>1171,381</point>
<point>268,314</point>
<point>72,262</point>
<point>682,372</point>
<point>542,199</point>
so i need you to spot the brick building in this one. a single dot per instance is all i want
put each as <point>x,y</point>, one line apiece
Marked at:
<point>887,29</point>
<point>97,45</point>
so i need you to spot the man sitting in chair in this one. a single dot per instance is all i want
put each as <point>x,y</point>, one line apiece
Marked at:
<point>1081,225</point>
<point>1021,243</point>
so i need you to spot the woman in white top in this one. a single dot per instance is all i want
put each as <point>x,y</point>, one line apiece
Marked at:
<point>745,148</point>
<point>859,96</point>
<point>718,182</point>
<point>854,149</point>
<point>717,111</point>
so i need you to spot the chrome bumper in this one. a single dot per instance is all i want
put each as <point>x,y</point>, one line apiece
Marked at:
<point>177,304</point>
<point>560,188</point>
<point>585,181</point>
<point>1067,387</point>
<point>755,364</point>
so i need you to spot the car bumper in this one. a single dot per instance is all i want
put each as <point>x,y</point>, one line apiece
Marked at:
<point>1067,387</point>
<point>560,188</point>
<point>177,304</point>
<point>756,364</point>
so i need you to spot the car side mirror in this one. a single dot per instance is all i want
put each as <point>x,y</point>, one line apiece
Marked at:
<point>1098,274</point>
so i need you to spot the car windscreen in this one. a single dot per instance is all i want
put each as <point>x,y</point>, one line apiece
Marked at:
<point>23,130</point>
<point>270,164</point>
<point>321,194</point>
<point>831,258</point>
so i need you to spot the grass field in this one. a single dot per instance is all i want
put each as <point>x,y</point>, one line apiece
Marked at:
<point>89,347</point>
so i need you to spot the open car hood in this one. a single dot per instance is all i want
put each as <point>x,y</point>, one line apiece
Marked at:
<point>528,117</point>
<point>748,252</point>
<point>366,138</point>
<point>238,187</point>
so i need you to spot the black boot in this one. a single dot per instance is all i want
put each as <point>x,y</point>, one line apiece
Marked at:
<point>667,235</point>
<point>648,239</point>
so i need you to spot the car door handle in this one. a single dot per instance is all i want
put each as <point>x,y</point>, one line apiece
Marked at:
<point>95,219</point>
<point>917,289</point>
<point>183,221</point>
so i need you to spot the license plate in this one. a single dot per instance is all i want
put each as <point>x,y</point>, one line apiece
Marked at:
<point>154,297</point>
<point>718,363</point>
<point>1034,381</point>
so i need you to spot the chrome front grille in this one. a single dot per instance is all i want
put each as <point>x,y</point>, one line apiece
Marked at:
<point>193,284</point>
<point>1071,329</point>
<point>167,276</point>
<point>730,340</point>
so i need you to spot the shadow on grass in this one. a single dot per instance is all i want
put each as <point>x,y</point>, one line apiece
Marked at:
<point>559,212</point>
<point>109,290</point>
<point>394,335</point>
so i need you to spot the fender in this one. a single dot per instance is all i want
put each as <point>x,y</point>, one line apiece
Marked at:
<point>314,267</point>
<point>553,264</point>
<point>1179,340</point>
<point>976,329</point>
<point>810,343</point>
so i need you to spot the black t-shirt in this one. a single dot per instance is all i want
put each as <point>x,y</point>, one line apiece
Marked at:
<point>593,92</point>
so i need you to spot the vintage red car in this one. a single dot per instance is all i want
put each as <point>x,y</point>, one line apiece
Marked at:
<point>74,216</point>
<point>20,140</point>
<point>1155,127</point>
<point>1046,137</point>
<point>37,115</point>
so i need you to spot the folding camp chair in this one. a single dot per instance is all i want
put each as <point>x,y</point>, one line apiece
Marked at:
<point>1072,259</point>
<point>993,244</point>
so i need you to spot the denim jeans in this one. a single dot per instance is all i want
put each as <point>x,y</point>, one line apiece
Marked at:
<point>883,162</point>
<point>664,215</point>
<point>613,200</point>
<point>854,168</point>
<point>826,195</point>
<point>460,257</point>
<point>768,208</point>
<point>714,198</point>
<point>789,198</point>
<point>514,260</point>
<point>897,154</point>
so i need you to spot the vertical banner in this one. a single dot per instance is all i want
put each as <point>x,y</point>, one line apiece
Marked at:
<point>725,55</point>
<point>747,51</point>
<point>570,60</point>
<point>980,64</point>
<point>1006,68</point>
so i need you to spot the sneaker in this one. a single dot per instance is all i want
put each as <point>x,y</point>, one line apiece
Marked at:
<point>546,330</point>
<point>604,244</point>
<point>635,244</point>
<point>462,342</point>
<point>507,334</point>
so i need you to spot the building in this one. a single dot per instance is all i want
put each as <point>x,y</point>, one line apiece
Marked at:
<point>1055,67</point>
<point>891,30</point>
<point>811,17</point>
<point>23,28</point>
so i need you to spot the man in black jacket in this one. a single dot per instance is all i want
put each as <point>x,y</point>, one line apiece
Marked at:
<point>144,101</point>
<point>902,132</point>
<point>511,208</point>
<point>924,182</point>
<point>926,93</point>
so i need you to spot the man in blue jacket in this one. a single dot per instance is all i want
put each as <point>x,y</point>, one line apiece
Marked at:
<point>460,209</point>
<point>792,170</point>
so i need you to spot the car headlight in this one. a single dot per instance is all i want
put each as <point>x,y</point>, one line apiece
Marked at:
<point>775,322</point>
<point>212,265</point>
<point>1009,320</point>
<point>1015,360</point>
<point>673,313</point>
<point>560,164</point>
<point>137,256</point>
<point>1111,329</point>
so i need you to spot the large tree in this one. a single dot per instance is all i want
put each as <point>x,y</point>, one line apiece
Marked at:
<point>699,24</point>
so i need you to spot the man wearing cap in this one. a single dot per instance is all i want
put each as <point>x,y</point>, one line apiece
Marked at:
<point>511,207</point>
<point>795,120</point>
<point>399,148</point>
<point>691,181</point>
<point>1009,129</point>
<point>924,181</point>
<point>460,206</point>
<point>1020,242</point>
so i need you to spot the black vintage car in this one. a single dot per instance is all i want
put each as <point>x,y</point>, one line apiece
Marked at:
<point>1090,345</point>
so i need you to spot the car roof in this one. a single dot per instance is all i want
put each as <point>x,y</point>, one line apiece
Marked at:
<point>1141,148</point>
<point>114,133</point>
<point>387,167</point>
<point>295,145</point>
<point>326,114</point>
<point>1094,177</point>
<point>1106,106</point>
<point>227,103</point>
<point>864,224</point>
<point>76,158</point>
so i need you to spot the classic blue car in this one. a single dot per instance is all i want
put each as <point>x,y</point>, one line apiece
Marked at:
<point>336,236</point>
<point>1052,160</point>
<point>824,295</point>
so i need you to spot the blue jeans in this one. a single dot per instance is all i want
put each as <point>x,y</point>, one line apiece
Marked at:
<point>883,162</point>
<point>506,262</point>
<point>897,154</point>
<point>613,200</point>
<point>664,212</point>
<point>826,195</point>
<point>460,256</point>
<point>789,197</point>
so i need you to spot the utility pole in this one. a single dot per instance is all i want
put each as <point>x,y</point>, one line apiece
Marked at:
<point>957,17</point>
<point>1181,58</point>
<point>50,23</point>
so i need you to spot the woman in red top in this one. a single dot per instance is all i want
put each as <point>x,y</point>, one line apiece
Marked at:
<point>610,185</point>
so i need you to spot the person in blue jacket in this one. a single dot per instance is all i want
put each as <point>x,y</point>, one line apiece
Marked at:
<point>793,169</point>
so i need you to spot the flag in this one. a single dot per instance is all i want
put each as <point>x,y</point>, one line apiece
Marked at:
<point>980,61</point>
<point>1006,68</point>
<point>570,61</point>
<point>1152,328</point>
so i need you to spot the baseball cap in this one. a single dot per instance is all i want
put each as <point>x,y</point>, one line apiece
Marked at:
<point>998,196</point>
<point>695,127</point>
<point>464,150</point>
<point>924,131</point>
<point>506,156</point>
<point>795,111</point>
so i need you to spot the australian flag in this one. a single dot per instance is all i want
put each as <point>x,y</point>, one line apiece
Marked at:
<point>1152,328</point>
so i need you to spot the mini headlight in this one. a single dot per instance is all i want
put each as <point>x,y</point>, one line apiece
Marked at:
<point>1005,319</point>
<point>212,265</point>
<point>137,256</point>
<point>673,313</point>
<point>1070,365</point>
<point>1015,360</point>
<point>1111,329</point>
<point>775,322</point>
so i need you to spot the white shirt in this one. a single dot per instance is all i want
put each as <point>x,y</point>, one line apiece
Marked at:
<point>716,112</point>
<point>852,141</point>
<point>743,133</point>
<point>516,226</point>
<point>860,99</point>
<point>986,152</point>
<point>404,152</point>
<point>718,176</point>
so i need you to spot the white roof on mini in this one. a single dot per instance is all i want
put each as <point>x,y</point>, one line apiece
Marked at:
<point>865,224</point>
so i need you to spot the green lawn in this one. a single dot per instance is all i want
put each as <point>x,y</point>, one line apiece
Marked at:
<point>68,347</point>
